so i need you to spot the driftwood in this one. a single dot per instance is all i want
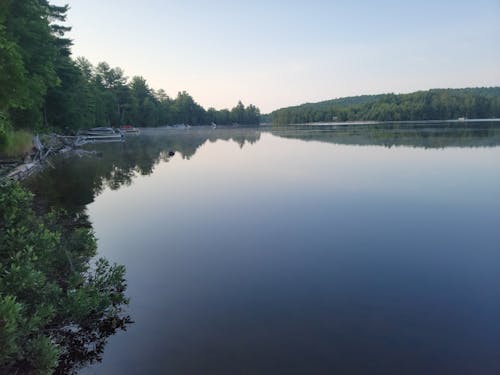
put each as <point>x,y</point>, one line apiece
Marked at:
<point>54,144</point>
<point>39,155</point>
<point>22,171</point>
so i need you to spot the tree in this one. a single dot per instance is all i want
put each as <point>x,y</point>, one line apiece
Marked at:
<point>238,113</point>
<point>438,104</point>
<point>41,85</point>
<point>30,52</point>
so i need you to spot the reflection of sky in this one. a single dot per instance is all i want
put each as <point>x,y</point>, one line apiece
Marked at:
<point>276,53</point>
<point>221,170</point>
<point>291,253</point>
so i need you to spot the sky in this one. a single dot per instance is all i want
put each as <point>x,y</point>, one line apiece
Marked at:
<point>274,53</point>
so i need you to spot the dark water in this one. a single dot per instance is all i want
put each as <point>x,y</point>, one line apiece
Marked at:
<point>348,250</point>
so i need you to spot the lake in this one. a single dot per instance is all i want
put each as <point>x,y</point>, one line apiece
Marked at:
<point>367,249</point>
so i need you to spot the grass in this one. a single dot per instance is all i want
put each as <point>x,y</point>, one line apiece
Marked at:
<point>15,143</point>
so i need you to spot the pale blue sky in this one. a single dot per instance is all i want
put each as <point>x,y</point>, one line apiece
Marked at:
<point>279,53</point>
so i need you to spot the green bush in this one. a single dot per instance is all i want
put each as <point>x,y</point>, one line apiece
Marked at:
<point>4,125</point>
<point>53,300</point>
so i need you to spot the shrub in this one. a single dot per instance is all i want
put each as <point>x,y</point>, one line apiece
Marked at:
<point>54,301</point>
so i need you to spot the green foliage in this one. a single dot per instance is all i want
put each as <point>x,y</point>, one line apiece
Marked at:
<point>42,87</point>
<point>4,128</point>
<point>49,293</point>
<point>437,104</point>
<point>12,73</point>
<point>43,355</point>
<point>29,48</point>
<point>10,311</point>
<point>113,100</point>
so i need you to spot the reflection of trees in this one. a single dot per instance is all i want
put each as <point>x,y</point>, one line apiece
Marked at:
<point>73,185</point>
<point>86,345</point>
<point>425,135</point>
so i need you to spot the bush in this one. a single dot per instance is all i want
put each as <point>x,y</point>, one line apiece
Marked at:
<point>53,301</point>
<point>4,126</point>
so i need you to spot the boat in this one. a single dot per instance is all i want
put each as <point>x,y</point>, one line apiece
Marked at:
<point>461,119</point>
<point>179,126</point>
<point>100,131</point>
<point>129,129</point>
<point>99,134</point>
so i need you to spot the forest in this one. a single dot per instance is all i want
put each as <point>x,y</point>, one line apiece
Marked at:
<point>59,302</point>
<point>43,87</point>
<point>435,104</point>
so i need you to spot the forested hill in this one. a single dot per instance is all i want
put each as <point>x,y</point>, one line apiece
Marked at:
<point>436,104</point>
<point>42,86</point>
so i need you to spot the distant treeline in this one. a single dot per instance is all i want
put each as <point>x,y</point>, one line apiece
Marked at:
<point>41,86</point>
<point>436,104</point>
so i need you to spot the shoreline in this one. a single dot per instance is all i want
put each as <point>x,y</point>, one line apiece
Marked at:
<point>368,122</point>
<point>38,157</point>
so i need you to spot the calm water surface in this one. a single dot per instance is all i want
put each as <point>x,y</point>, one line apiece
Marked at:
<point>299,251</point>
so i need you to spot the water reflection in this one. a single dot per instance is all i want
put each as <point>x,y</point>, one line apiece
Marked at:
<point>73,186</point>
<point>426,134</point>
<point>86,345</point>
<point>73,183</point>
<point>276,255</point>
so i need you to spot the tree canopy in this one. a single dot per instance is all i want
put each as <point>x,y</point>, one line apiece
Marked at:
<point>43,87</point>
<point>436,104</point>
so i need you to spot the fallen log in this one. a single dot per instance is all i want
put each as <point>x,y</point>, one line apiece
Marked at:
<point>22,171</point>
<point>57,144</point>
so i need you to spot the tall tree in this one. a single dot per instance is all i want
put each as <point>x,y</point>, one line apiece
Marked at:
<point>30,46</point>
